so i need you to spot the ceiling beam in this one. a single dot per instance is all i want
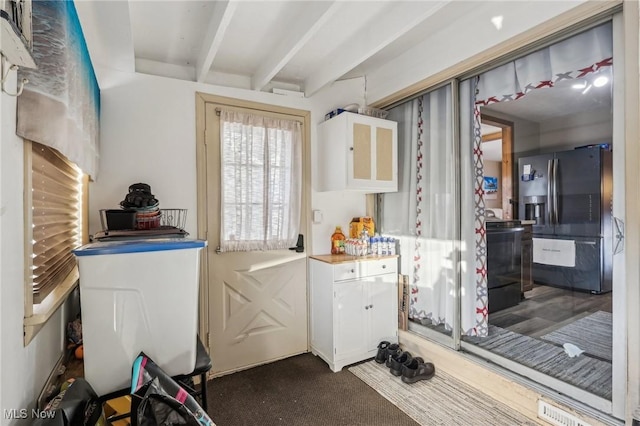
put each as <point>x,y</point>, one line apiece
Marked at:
<point>392,23</point>
<point>295,39</point>
<point>222,13</point>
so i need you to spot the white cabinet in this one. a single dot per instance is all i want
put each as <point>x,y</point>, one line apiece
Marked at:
<point>354,306</point>
<point>357,152</point>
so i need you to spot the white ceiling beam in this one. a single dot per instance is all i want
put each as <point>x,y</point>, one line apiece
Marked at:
<point>297,36</point>
<point>391,24</point>
<point>106,26</point>
<point>222,13</point>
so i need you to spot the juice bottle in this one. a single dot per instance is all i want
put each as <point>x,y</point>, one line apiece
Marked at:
<point>337,241</point>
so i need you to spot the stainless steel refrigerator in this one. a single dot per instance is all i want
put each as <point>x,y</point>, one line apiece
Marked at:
<point>569,196</point>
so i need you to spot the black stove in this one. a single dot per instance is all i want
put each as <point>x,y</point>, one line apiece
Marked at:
<point>504,262</point>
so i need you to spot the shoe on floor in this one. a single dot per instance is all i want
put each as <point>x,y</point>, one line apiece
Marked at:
<point>417,370</point>
<point>392,349</point>
<point>397,362</point>
<point>382,352</point>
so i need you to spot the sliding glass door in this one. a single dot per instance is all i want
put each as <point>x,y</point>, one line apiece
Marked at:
<point>505,221</point>
<point>423,215</point>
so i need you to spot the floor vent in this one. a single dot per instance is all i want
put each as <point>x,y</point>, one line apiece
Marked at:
<point>556,416</point>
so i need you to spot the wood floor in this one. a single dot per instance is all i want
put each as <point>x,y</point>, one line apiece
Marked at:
<point>546,309</point>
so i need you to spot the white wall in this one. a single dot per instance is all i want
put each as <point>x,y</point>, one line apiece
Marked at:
<point>337,207</point>
<point>567,132</point>
<point>148,135</point>
<point>23,370</point>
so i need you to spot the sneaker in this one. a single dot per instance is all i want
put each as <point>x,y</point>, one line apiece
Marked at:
<point>392,349</point>
<point>418,370</point>
<point>382,352</point>
<point>397,362</point>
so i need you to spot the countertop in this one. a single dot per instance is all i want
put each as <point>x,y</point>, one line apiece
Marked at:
<point>344,258</point>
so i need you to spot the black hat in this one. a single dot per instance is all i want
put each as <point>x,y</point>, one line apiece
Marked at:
<point>139,196</point>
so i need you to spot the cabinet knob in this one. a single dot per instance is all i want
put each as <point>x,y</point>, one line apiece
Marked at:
<point>371,306</point>
<point>351,149</point>
<point>384,266</point>
<point>352,271</point>
<point>366,307</point>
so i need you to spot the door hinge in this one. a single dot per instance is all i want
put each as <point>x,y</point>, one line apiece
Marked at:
<point>208,341</point>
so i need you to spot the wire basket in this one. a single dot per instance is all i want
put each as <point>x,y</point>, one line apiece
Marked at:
<point>112,220</point>
<point>176,218</point>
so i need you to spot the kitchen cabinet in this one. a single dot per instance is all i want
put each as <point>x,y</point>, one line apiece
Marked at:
<point>357,152</point>
<point>527,258</point>
<point>354,306</point>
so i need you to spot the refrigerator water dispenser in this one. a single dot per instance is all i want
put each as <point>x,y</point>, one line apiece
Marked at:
<point>534,208</point>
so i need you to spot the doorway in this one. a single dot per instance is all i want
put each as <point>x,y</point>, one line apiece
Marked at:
<point>497,147</point>
<point>253,300</point>
<point>562,150</point>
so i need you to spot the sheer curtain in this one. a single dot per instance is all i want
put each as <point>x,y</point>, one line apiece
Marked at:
<point>261,178</point>
<point>422,213</point>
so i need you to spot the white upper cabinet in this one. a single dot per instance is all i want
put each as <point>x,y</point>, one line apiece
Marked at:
<point>357,152</point>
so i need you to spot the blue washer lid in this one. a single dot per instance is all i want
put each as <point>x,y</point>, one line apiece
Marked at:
<point>138,246</point>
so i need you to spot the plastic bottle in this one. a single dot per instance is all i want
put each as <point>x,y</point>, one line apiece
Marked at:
<point>374,245</point>
<point>337,241</point>
<point>364,241</point>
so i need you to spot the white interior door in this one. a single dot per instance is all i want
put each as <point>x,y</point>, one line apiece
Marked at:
<point>257,299</point>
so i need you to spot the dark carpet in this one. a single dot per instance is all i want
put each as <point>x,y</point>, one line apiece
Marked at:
<point>300,390</point>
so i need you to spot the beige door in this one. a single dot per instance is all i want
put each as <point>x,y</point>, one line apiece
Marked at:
<point>257,310</point>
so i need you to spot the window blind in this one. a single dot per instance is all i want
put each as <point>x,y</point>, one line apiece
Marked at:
<point>56,216</point>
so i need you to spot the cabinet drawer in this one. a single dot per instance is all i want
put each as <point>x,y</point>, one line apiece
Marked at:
<point>382,266</point>
<point>347,271</point>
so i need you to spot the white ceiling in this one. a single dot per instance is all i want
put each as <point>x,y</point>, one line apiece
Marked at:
<point>259,45</point>
<point>288,44</point>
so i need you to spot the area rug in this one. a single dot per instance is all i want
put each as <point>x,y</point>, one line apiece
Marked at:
<point>585,372</point>
<point>442,400</point>
<point>592,334</point>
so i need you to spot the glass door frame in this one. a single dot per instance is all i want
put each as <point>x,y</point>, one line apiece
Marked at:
<point>546,385</point>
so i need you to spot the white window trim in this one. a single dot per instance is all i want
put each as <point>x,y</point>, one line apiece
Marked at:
<point>40,313</point>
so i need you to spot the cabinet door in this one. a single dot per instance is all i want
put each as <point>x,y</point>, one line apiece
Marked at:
<point>351,309</point>
<point>372,154</point>
<point>361,151</point>
<point>383,309</point>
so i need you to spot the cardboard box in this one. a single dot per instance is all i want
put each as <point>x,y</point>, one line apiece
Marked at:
<point>403,302</point>
<point>358,224</point>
